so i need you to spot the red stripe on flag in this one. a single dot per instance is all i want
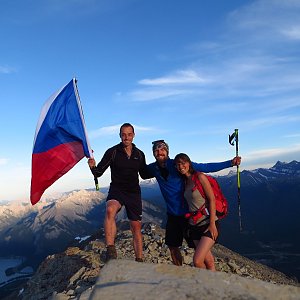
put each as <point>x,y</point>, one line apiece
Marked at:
<point>49,166</point>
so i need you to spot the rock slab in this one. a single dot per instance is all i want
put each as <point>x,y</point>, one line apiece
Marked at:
<point>127,279</point>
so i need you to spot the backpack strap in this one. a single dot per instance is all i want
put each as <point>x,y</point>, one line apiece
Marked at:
<point>112,158</point>
<point>113,155</point>
<point>198,186</point>
<point>140,154</point>
<point>221,202</point>
<point>202,211</point>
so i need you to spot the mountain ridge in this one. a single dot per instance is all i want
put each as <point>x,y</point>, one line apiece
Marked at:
<point>72,274</point>
<point>50,225</point>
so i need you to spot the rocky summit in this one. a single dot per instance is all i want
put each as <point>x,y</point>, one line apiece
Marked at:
<point>127,280</point>
<point>74,273</point>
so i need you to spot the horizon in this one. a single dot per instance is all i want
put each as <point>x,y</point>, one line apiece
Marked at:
<point>56,194</point>
<point>188,73</point>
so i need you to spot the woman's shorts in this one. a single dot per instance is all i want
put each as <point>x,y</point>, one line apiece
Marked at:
<point>197,232</point>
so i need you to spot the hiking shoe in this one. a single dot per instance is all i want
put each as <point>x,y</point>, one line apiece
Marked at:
<point>111,252</point>
<point>139,259</point>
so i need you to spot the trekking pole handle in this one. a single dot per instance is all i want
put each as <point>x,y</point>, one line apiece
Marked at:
<point>236,133</point>
<point>96,183</point>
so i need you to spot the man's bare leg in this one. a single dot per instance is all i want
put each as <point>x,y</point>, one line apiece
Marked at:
<point>110,227</point>
<point>136,227</point>
<point>176,256</point>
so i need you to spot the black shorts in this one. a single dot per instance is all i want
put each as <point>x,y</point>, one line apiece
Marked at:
<point>176,230</point>
<point>195,232</point>
<point>131,201</point>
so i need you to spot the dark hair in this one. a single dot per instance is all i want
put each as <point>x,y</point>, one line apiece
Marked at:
<point>126,125</point>
<point>185,158</point>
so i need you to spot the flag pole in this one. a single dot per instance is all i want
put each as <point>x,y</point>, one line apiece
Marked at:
<point>235,136</point>
<point>90,151</point>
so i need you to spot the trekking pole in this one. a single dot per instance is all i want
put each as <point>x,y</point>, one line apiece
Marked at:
<point>232,138</point>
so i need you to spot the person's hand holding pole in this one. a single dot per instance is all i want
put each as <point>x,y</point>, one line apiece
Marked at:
<point>236,161</point>
<point>92,164</point>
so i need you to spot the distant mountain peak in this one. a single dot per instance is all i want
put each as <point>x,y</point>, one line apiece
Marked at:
<point>291,168</point>
<point>280,164</point>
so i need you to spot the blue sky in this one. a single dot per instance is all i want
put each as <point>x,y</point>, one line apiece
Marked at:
<point>189,72</point>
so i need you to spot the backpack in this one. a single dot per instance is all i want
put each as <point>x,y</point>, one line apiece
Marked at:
<point>221,201</point>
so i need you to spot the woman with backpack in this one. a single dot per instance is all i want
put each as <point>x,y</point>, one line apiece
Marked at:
<point>203,220</point>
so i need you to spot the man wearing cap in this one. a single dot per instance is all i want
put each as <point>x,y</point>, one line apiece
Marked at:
<point>172,186</point>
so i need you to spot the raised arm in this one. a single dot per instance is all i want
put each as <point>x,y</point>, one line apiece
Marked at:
<point>218,166</point>
<point>211,167</point>
<point>102,165</point>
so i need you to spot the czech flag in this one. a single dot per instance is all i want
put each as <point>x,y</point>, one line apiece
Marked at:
<point>60,140</point>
